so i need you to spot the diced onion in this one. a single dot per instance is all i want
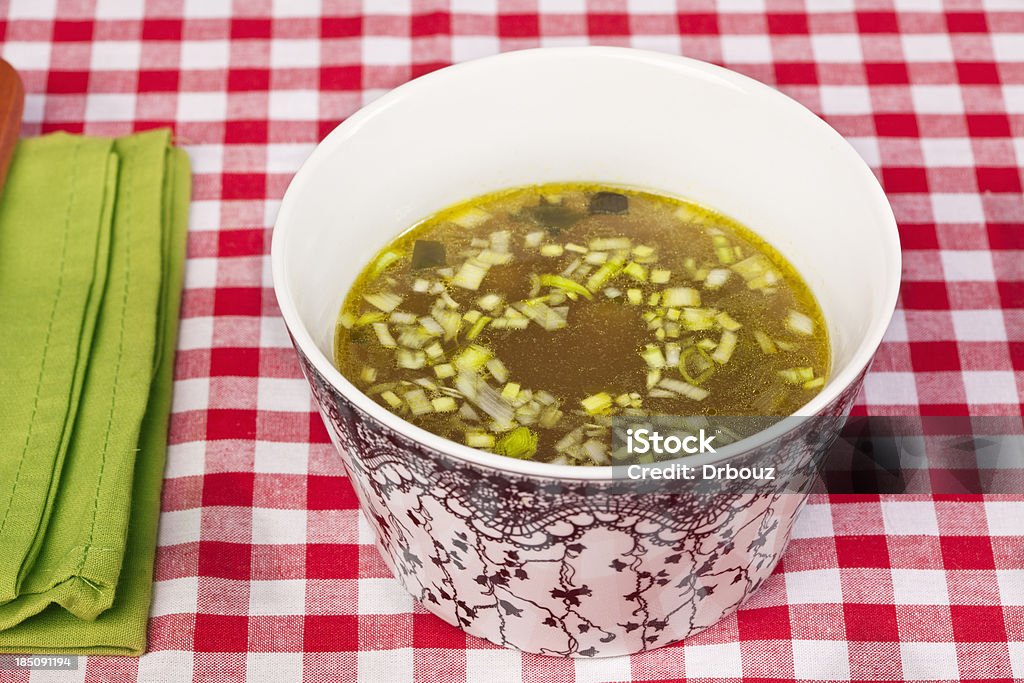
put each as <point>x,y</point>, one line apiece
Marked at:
<point>799,323</point>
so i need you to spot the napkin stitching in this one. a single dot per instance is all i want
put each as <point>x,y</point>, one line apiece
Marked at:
<point>49,331</point>
<point>117,372</point>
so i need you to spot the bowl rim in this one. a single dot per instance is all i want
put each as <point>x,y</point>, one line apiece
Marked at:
<point>687,67</point>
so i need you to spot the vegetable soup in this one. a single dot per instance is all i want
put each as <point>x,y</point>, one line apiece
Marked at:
<point>522,321</point>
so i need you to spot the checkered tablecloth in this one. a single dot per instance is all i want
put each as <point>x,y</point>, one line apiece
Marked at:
<point>265,570</point>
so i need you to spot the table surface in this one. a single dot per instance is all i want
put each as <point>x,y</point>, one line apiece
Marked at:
<point>265,570</point>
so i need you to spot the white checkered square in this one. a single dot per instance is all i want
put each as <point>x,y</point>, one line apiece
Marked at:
<point>200,272</point>
<point>203,214</point>
<point>290,395</point>
<point>897,330</point>
<point>493,664</point>
<point>712,661</point>
<point>845,99</point>
<point>26,55</point>
<point>119,10</point>
<point>165,666</point>
<point>839,48</point>
<point>814,521</point>
<point>294,53</point>
<point>272,457</point>
<point>890,388</point>
<point>205,54</point>
<point>270,667</point>
<point>297,8</point>
<point>110,107</point>
<point>471,47</point>
<point>951,152</point>
<point>746,49</point>
<point>985,387</point>
<point>929,661</point>
<point>207,9</point>
<point>827,660</point>
<point>277,597</point>
<point>909,518</point>
<point>937,99</point>
<point>383,596</point>
<point>386,665</point>
<point>1017,659</point>
<point>31,9</point>
<point>927,47</point>
<point>919,587</point>
<point>386,50</point>
<point>1005,517</point>
<point>1011,586</point>
<point>191,394</point>
<point>1013,96</point>
<point>957,208</point>
<point>186,459</point>
<point>195,333</point>
<point>175,596</point>
<point>604,670</point>
<point>294,105</point>
<point>979,325</point>
<point>115,55</point>
<point>967,266</point>
<point>278,527</point>
<point>814,586</point>
<point>202,106</point>
<point>179,526</point>
<point>1008,47</point>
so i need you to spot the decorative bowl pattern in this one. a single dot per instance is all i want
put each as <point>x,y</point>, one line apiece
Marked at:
<point>569,567</point>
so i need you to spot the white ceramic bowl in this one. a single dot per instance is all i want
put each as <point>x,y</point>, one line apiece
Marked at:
<point>621,116</point>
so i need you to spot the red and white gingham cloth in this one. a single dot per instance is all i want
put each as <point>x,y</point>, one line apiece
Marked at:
<point>265,571</point>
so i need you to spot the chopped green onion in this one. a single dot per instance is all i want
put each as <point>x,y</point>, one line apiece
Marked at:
<point>684,389</point>
<point>696,319</point>
<point>479,440</point>
<point>609,243</point>
<point>347,320</point>
<point>653,356</point>
<point>418,402</point>
<point>434,351</point>
<point>565,284</point>
<point>634,296</point>
<point>635,271</point>
<point>384,336</point>
<point>701,362</point>
<point>797,375</point>
<point>716,278</point>
<point>680,296</point>
<point>444,370</point>
<point>510,391</point>
<point>489,302</point>
<point>726,346</point>
<point>369,318</point>
<point>368,374</point>
<point>728,322</point>
<point>392,399</point>
<point>471,218</point>
<point>472,358</point>
<point>520,443</point>
<point>470,275</point>
<point>597,403</point>
<point>410,360</point>
<point>577,248</point>
<point>497,369</point>
<point>603,274</point>
<point>383,262</point>
<point>596,257</point>
<point>478,327</point>
<point>814,383</point>
<point>766,343</point>
<point>597,450</point>
<point>551,250</point>
<point>799,323</point>
<point>660,276</point>
<point>443,404</point>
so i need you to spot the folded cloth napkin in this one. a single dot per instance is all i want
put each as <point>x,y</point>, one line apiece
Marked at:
<point>92,236</point>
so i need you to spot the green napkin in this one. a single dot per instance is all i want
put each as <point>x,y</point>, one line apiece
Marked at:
<point>84,582</point>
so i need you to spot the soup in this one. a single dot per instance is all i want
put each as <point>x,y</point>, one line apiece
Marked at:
<point>521,322</point>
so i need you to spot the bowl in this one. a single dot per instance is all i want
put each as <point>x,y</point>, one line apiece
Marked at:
<point>564,560</point>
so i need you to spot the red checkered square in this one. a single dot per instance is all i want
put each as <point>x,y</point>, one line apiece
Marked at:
<point>862,551</point>
<point>331,633</point>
